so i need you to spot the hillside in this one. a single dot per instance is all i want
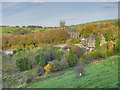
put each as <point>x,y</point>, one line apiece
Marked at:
<point>99,75</point>
<point>11,30</point>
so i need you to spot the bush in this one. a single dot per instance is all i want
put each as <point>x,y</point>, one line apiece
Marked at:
<point>40,59</point>
<point>78,51</point>
<point>71,58</point>
<point>48,68</point>
<point>87,58</point>
<point>101,52</point>
<point>8,66</point>
<point>22,64</point>
<point>52,67</point>
<point>63,63</point>
<point>40,70</point>
<point>19,49</point>
<point>59,53</point>
<point>31,78</point>
<point>28,80</point>
<point>117,45</point>
<point>110,52</point>
<point>49,52</point>
<point>95,54</point>
<point>14,51</point>
<point>97,42</point>
<point>80,68</point>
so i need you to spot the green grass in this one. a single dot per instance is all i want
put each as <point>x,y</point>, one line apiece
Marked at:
<point>29,72</point>
<point>100,75</point>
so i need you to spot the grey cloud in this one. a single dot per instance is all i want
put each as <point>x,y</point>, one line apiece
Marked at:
<point>108,6</point>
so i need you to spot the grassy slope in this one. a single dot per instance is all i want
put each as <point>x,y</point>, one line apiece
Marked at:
<point>102,75</point>
<point>5,30</point>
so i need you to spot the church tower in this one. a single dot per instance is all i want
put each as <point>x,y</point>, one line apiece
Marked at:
<point>62,25</point>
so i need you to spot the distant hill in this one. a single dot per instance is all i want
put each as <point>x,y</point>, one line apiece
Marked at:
<point>12,31</point>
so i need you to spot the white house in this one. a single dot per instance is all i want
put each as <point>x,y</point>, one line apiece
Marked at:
<point>8,52</point>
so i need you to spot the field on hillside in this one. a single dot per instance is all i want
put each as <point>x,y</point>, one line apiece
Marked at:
<point>99,75</point>
<point>10,30</point>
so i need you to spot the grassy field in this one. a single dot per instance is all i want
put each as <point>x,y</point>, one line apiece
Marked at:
<point>99,75</point>
<point>10,30</point>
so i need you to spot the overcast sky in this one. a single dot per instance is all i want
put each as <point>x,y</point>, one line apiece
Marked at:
<point>50,13</point>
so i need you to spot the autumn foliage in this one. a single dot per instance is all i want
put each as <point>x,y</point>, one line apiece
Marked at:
<point>50,68</point>
<point>34,39</point>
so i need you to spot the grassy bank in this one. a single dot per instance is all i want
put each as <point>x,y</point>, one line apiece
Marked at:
<point>100,75</point>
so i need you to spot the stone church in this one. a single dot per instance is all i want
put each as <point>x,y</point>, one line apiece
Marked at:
<point>72,33</point>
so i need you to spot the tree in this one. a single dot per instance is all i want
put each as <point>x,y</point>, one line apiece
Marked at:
<point>59,53</point>
<point>78,51</point>
<point>22,64</point>
<point>117,45</point>
<point>63,63</point>
<point>88,30</point>
<point>97,42</point>
<point>108,35</point>
<point>71,58</point>
<point>40,59</point>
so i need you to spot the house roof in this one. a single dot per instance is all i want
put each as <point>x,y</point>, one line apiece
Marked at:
<point>71,30</point>
<point>93,37</point>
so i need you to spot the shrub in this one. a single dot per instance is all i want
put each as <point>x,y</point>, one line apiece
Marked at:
<point>40,59</point>
<point>22,64</point>
<point>87,58</point>
<point>28,80</point>
<point>14,51</point>
<point>110,52</point>
<point>51,67</point>
<point>101,52</point>
<point>63,63</point>
<point>80,68</point>
<point>8,66</point>
<point>31,78</point>
<point>95,54</point>
<point>49,52</point>
<point>117,45</point>
<point>78,51</point>
<point>97,42</point>
<point>71,58</point>
<point>19,49</point>
<point>47,68</point>
<point>40,70</point>
<point>59,53</point>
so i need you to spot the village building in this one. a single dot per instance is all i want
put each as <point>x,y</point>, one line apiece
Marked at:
<point>8,52</point>
<point>92,39</point>
<point>72,33</point>
<point>61,46</point>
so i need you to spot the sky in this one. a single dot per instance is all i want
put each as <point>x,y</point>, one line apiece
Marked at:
<point>50,13</point>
